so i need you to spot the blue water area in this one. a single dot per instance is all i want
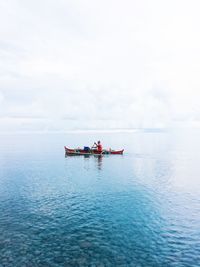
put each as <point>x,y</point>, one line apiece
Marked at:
<point>139,209</point>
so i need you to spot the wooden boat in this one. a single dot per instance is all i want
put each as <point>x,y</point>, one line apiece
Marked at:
<point>79,151</point>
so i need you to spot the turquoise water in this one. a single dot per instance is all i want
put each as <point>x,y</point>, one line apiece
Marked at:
<point>139,209</point>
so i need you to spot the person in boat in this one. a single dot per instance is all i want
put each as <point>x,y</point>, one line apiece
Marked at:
<point>98,146</point>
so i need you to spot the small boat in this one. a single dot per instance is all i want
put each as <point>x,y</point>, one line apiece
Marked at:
<point>79,151</point>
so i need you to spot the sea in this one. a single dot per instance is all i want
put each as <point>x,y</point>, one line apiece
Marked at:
<point>140,209</point>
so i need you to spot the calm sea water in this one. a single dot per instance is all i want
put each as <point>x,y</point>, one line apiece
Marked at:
<point>139,209</point>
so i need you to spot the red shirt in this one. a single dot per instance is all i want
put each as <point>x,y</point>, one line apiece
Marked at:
<point>99,147</point>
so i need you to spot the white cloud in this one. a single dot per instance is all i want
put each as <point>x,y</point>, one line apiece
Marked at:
<point>108,64</point>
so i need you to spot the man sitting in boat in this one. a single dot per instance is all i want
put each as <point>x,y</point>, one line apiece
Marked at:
<point>98,146</point>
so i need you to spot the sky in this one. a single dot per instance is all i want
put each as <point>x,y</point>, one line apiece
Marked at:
<point>79,65</point>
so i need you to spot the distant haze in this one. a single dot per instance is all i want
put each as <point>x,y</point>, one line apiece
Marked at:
<point>74,64</point>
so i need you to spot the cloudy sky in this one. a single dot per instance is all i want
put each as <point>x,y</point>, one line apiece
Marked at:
<point>86,64</point>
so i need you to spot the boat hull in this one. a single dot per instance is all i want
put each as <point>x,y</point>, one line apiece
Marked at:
<point>79,152</point>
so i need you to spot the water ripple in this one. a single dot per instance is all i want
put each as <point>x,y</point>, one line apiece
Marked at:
<point>120,211</point>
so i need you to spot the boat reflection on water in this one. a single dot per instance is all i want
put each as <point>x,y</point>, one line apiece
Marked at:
<point>99,162</point>
<point>96,161</point>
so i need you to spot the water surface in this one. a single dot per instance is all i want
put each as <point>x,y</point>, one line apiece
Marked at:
<point>139,209</point>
